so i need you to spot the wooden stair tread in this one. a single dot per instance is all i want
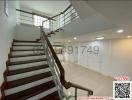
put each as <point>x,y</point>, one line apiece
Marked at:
<point>28,45</point>
<point>53,96</point>
<point>26,41</point>
<point>25,62</point>
<point>15,56</point>
<point>27,80</point>
<point>19,71</point>
<point>26,93</point>
<point>29,50</point>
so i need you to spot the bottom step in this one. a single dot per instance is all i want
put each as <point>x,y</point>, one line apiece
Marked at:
<point>23,95</point>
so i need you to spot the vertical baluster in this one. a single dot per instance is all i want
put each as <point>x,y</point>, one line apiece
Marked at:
<point>75,93</point>
<point>88,93</point>
<point>61,92</point>
<point>50,26</point>
<point>32,20</point>
<point>59,22</point>
<point>64,19</point>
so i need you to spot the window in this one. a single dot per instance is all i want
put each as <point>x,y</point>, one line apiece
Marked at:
<point>38,21</point>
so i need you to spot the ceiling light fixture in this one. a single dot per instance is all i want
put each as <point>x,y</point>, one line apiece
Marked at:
<point>120,31</point>
<point>75,38</point>
<point>100,38</point>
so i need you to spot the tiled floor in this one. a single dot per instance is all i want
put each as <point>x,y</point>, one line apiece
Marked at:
<point>100,84</point>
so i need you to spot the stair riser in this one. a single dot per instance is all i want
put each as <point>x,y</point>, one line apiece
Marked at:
<point>27,58</point>
<point>27,74</point>
<point>39,96</point>
<point>26,52</point>
<point>27,86</point>
<point>21,66</point>
<point>16,43</point>
<point>26,47</point>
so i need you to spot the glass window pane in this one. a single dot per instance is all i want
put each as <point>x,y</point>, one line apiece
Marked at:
<point>38,21</point>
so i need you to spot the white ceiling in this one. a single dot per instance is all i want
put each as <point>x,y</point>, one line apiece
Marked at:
<point>49,7</point>
<point>100,18</point>
<point>97,17</point>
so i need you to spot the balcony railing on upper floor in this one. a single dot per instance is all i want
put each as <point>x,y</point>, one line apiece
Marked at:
<point>52,23</point>
<point>64,18</point>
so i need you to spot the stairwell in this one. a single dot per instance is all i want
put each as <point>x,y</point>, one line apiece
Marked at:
<point>34,72</point>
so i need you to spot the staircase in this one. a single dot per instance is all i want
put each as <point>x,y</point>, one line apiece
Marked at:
<point>34,72</point>
<point>29,76</point>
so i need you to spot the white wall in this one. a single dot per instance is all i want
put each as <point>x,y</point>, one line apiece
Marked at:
<point>7,26</point>
<point>27,32</point>
<point>114,58</point>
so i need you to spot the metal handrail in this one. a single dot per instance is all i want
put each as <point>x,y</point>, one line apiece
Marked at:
<point>58,14</point>
<point>69,16</point>
<point>65,17</point>
<point>70,20</point>
<point>54,24</point>
<point>33,13</point>
<point>26,16</point>
<point>55,60</point>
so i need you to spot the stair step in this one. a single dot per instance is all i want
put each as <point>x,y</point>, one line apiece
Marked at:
<point>27,65</point>
<point>28,45</point>
<point>26,80</point>
<point>27,58</point>
<point>25,62</point>
<point>25,41</point>
<point>27,74</point>
<point>26,93</point>
<point>16,56</point>
<point>19,71</point>
<point>27,86</point>
<point>51,96</point>
<point>16,48</point>
<point>28,50</point>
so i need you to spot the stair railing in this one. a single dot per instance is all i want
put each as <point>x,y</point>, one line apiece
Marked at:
<point>57,68</point>
<point>63,18</point>
<point>31,18</point>
<point>53,23</point>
